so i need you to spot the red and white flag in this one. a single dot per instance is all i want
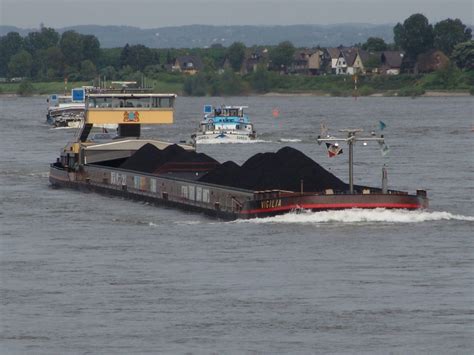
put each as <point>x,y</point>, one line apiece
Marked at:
<point>333,150</point>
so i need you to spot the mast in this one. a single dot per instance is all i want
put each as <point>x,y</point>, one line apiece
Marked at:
<point>352,138</point>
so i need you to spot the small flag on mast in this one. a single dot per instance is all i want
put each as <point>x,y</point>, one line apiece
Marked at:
<point>384,149</point>
<point>333,150</point>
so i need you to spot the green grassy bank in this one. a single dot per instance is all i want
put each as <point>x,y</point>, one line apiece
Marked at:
<point>449,80</point>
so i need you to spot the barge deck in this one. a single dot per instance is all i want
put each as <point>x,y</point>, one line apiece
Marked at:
<point>224,202</point>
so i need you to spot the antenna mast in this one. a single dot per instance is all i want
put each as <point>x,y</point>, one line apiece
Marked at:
<point>350,140</point>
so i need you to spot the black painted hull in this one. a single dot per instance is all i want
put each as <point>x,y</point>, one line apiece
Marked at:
<point>223,202</point>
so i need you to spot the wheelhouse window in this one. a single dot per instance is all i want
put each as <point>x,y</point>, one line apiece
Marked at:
<point>129,101</point>
<point>100,102</point>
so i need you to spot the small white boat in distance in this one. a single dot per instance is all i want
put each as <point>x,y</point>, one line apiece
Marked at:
<point>224,124</point>
<point>66,110</point>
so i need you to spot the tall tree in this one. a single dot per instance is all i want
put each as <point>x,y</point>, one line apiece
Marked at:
<point>236,55</point>
<point>374,44</point>
<point>448,33</point>
<point>39,68</point>
<point>137,56</point>
<point>414,36</point>
<point>20,64</point>
<point>90,48</point>
<point>10,44</point>
<point>124,54</point>
<point>463,55</point>
<point>88,70</point>
<point>71,45</point>
<point>55,60</point>
<point>45,38</point>
<point>282,55</point>
<point>169,60</point>
<point>108,72</point>
<point>109,57</point>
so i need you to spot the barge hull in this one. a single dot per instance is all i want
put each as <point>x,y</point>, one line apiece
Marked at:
<point>219,201</point>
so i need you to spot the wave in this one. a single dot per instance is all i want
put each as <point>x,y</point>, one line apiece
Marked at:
<point>41,174</point>
<point>58,128</point>
<point>23,173</point>
<point>190,223</point>
<point>232,141</point>
<point>378,215</point>
<point>289,140</point>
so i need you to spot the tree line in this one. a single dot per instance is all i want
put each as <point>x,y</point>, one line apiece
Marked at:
<point>45,55</point>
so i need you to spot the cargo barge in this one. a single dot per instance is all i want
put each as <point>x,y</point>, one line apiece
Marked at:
<point>102,167</point>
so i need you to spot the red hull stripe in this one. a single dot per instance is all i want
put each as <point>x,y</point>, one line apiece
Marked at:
<point>329,206</point>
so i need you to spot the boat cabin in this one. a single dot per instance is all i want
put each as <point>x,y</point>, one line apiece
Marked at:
<point>229,111</point>
<point>230,119</point>
<point>128,110</point>
<point>120,101</point>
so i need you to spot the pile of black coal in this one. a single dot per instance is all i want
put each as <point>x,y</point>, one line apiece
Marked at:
<point>282,170</point>
<point>150,159</point>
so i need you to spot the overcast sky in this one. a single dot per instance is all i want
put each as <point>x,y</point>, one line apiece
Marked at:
<point>160,13</point>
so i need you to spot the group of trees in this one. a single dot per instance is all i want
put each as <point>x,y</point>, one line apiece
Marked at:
<point>416,35</point>
<point>47,55</point>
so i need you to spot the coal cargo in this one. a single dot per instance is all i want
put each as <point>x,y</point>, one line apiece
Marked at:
<point>149,159</point>
<point>282,170</point>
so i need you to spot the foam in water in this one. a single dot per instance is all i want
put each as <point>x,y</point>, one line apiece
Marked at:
<point>289,140</point>
<point>42,174</point>
<point>233,141</point>
<point>362,216</point>
<point>60,128</point>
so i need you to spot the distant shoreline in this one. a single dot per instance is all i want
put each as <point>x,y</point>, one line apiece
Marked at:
<point>428,93</point>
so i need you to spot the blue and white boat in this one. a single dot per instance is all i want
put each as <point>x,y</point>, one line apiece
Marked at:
<point>224,124</point>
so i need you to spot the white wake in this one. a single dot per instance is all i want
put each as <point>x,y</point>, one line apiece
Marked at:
<point>379,215</point>
<point>231,141</point>
<point>289,140</point>
<point>60,128</point>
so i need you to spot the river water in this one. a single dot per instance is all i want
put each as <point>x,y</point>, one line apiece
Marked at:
<point>86,273</point>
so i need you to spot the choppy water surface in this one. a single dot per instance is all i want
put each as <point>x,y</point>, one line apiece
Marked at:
<point>85,273</point>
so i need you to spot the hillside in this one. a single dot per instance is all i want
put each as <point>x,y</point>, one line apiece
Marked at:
<point>204,35</point>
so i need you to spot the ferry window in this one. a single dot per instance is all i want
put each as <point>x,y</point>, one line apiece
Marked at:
<point>166,102</point>
<point>100,102</point>
<point>117,102</point>
<point>134,102</point>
